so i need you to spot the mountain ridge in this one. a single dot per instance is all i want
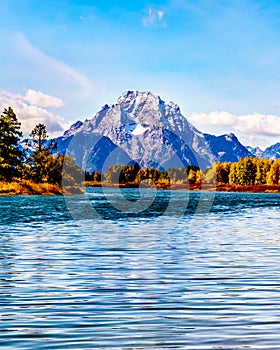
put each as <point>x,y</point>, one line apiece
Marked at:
<point>141,127</point>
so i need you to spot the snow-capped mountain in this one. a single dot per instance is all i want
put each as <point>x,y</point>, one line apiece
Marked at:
<point>272,152</point>
<point>152,132</point>
<point>142,128</point>
<point>255,151</point>
<point>227,148</point>
<point>73,129</point>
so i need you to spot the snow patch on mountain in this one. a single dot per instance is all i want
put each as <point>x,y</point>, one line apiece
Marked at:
<point>139,130</point>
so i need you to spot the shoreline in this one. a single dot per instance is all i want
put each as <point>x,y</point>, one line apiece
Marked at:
<point>30,188</point>
<point>27,187</point>
<point>194,187</point>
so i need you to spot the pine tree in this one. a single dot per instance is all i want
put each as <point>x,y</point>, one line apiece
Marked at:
<point>45,167</point>
<point>39,135</point>
<point>10,154</point>
<point>41,140</point>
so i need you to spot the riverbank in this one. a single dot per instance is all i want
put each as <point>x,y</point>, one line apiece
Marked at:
<point>27,187</point>
<point>192,187</point>
<point>248,188</point>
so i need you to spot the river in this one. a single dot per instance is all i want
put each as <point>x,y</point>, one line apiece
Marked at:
<point>180,271</point>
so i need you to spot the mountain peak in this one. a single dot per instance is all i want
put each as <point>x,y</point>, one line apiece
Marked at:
<point>73,128</point>
<point>129,95</point>
<point>147,108</point>
<point>231,137</point>
<point>132,100</point>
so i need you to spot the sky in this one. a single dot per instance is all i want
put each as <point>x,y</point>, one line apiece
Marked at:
<point>62,60</point>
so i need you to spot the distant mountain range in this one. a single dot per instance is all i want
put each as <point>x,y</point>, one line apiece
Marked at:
<point>141,127</point>
<point>272,152</point>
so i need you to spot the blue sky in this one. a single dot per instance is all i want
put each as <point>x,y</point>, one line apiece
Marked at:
<point>219,60</point>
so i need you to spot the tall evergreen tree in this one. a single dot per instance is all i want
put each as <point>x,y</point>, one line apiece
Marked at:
<point>10,154</point>
<point>39,135</point>
<point>43,164</point>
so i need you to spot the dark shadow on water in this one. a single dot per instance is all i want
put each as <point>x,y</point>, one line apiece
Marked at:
<point>26,209</point>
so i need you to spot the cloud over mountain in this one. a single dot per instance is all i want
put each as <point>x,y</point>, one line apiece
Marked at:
<point>249,124</point>
<point>38,98</point>
<point>31,109</point>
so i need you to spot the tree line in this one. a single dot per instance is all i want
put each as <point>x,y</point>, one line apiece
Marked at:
<point>133,174</point>
<point>247,171</point>
<point>38,163</point>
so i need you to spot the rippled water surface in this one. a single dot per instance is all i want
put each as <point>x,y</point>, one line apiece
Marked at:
<point>184,271</point>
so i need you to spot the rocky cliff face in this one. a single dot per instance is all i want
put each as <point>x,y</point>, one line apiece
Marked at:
<point>227,148</point>
<point>152,132</point>
<point>142,128</point>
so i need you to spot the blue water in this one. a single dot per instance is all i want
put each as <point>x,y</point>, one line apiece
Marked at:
<point>94,271</point>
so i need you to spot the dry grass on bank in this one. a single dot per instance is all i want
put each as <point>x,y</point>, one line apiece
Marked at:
<point>27,187</point>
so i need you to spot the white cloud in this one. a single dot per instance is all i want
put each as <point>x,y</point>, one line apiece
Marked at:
<point>160,15</point>
<point>51,69</point>
<point>30,114</point>
<point>251,124</point>
<point>261,124</point>
<point>38,98</point>
<point>221,118</point>
<point>153,18</point>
